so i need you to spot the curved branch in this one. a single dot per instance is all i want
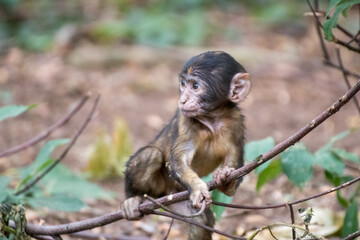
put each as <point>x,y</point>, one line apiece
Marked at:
<point>294,138</point>
<point>170,215</point>
<point>147,207</point>
<point>352,236</point>
<point>46,132</point>
<point>346,78</point>
<point>344,185</point>
<point>62,156</point>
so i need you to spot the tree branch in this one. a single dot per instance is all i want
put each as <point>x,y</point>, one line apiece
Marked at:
<point>352,236</point>
<point>294,138</point>
<point>46,132</point>
<point>62,156</point>
<point>170,215</point>
<point>147,207</point>
<point>344,185</point>
<point>346,78</point>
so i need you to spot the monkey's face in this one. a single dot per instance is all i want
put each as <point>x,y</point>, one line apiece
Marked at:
<point>191,103</point>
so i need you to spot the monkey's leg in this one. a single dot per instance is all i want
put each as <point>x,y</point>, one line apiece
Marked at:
<point>207,218</point>
<point>144,175</point>
<point>196,233</point>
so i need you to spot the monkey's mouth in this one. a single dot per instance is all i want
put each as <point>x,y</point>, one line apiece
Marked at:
<point>189,113</point>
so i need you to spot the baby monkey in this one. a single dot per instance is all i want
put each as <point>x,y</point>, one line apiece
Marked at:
<point>206,133</point>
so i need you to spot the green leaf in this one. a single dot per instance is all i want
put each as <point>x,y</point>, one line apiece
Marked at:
<point>343,154</point>
<point>255,148</point>
<point>4,182</point>
<point>351,221</point>
<point>46,151</point>
<point>329,24</point>
<point>341,200</point>
<point>333,140</point>
<point>297,163</point>
<point>219,197</point>
<point>42,160</point>
<point>268,174</point>
<point>330,162</point>
<point>336,180</point>
<point>13,110</point>
<point>333,178</point>
<point>60,202</point>
<point>61,180</point>
<point>332,4</point>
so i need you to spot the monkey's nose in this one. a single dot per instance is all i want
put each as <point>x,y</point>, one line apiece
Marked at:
<point>183,100</point>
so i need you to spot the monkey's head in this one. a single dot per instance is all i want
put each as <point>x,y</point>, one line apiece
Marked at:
<point>210,81</point>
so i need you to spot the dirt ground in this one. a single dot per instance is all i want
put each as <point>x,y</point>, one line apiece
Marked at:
<point>290,87</point>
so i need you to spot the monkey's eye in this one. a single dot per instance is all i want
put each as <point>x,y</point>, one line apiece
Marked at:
<point>195,86</point>
<point>183,83</point>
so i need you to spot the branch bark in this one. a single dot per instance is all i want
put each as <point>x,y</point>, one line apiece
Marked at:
<point>148,207</point>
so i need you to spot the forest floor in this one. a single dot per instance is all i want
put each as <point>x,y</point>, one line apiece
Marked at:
<point>290,86</point>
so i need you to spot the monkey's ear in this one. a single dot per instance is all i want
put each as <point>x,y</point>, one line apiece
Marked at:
<point>239,87</point>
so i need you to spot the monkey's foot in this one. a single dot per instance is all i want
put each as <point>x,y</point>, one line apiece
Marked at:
<point>220,176</point>
<point>130,208</point>
<point>200,194</point>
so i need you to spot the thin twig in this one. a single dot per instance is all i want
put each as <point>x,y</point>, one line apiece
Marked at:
<point>46,132</point>
<point>271,233</point>
<point>147,207</point>
<point>318,30</point>
<point>294,138</point>
<point>91,235</point>
<point>346,79</point>
<point>62,156</point>
<point>168,232</point>
<point>352,236</point>
<point>353,38</point>
<point>288,203</point>
<point>197,224</point>
<point>292,217</point>
<point>344,44</point>
<point>201,211</point>
<point>348,72</point>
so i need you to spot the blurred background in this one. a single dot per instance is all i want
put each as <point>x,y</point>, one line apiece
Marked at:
<point>130,52</point>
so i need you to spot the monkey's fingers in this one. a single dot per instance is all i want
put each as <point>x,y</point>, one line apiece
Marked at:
<point>221,174</point>
<point>198,196</point>
<point>130,208</point>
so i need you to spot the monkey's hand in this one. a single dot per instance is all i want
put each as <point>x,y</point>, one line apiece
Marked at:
<point>199,194</point>
<point>220,176</point>
<point>130,208</point>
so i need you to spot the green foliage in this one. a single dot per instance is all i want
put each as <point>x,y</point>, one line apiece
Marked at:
<point>60,189</point>
<point>340,6</point>
<point>15,213</point>
<point>269,173</point>
<point>298,164</point>
<point>256,148</point>
<point>13,110</point>
<point>152,27</point>
<point>41,161</point>
<point>351,221</point>
<point>63,181</point>
<point>33,24</point>
<point>59,202</point>
<point>110,154</point>
<point>219,197</point>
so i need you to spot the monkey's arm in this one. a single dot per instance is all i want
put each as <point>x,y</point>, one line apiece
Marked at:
<point>220,175</point>
<point>180,168</point>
